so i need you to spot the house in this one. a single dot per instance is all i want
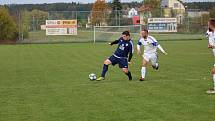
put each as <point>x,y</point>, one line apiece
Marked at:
<point>132,13</point>
<point>173,8</point>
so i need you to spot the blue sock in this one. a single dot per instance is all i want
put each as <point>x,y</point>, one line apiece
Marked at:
<point>129,75</point>
<point>105,69</point>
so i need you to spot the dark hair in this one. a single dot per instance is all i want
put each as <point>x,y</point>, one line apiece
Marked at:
<point>126,33</point>
<point>145,30</point>
<point>212,22</point>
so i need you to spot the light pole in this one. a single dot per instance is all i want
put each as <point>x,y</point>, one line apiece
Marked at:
<point>116,15</point>
<point>188,21</point>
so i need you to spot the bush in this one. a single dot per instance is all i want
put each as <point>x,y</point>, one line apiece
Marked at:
<point>8,27</point>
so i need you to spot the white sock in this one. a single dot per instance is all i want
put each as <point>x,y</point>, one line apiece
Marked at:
<point>143,72</point>
<point>156,64</point>
<point>214,80</point>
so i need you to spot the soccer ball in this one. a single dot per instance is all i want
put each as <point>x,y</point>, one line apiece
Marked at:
<point>92,76</point>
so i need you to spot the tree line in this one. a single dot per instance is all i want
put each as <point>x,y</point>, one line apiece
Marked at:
<point>200,5</point>
<point>64,6</point>
<point>73,6</point>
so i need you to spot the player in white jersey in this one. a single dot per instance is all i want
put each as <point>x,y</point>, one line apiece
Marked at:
<point>150,52</point>
<point>208,33</point>
<point>211,44</point>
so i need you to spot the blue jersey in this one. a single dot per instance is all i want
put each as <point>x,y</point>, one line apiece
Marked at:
<point>124,48</point>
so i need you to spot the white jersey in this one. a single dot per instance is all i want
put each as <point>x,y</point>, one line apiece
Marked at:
<point>211,38</point>
<point>150,44</point>
<point>207,34</point>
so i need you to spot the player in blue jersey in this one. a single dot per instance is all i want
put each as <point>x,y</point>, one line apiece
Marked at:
<point>120,56</point>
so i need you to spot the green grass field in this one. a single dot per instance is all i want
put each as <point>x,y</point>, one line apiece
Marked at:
<point>49,82</point>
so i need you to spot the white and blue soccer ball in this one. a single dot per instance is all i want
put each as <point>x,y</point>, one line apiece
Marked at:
<point>92,76</point>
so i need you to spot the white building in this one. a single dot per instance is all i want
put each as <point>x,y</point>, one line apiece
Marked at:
<point>132,13</point>
<point>174,5</point>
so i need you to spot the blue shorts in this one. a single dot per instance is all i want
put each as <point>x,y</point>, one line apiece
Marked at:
<point>123,62</point>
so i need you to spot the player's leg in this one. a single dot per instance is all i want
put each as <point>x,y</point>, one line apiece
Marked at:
<point>212,91</point>
<point>123,64</point>
<point>213,50</point>
<point>214,77</point>
<point>105,67</point>
<point>144,64</point>
<point>107,62</point>
<point>127,72</point>
<point>154,61</point>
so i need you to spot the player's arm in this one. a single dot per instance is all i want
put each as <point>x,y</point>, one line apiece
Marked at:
<point>161,49</point>
<point>114,42</point>
<point>207,34</point>
<point>130,57</point>
<point>131,51</point>
<point>155,43</point>
<point>210,41</point>
<point>139,44</point>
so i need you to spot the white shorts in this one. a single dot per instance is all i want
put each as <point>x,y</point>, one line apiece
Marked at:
<point>152,58</point>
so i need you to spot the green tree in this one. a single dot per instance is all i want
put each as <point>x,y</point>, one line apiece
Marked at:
<point>116,13</point>
<point>38,18</point>
<point>31,20</point>
<point>200,5</point>
<point>116,5</point>
<point>212,12</point>
<point>8,27</point>
<point>204,19</point>
<point>154,6</point>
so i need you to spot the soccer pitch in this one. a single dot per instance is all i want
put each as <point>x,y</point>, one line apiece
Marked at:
<point>49,82</point>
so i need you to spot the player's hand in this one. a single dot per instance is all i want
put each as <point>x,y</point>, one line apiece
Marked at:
<point>165,53</point>
<point>210,46</point>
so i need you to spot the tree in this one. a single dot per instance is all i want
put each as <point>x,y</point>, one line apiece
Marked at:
<point>154,6</point>
<point>212,12</point>
<point>204,19</point>
<point>200,5</point>
<point>116,12</point>
<point>8,27</point>
<point>116,5</point>
<point>99,12</point>
<point>31,20</point>
<point>38,18</point>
